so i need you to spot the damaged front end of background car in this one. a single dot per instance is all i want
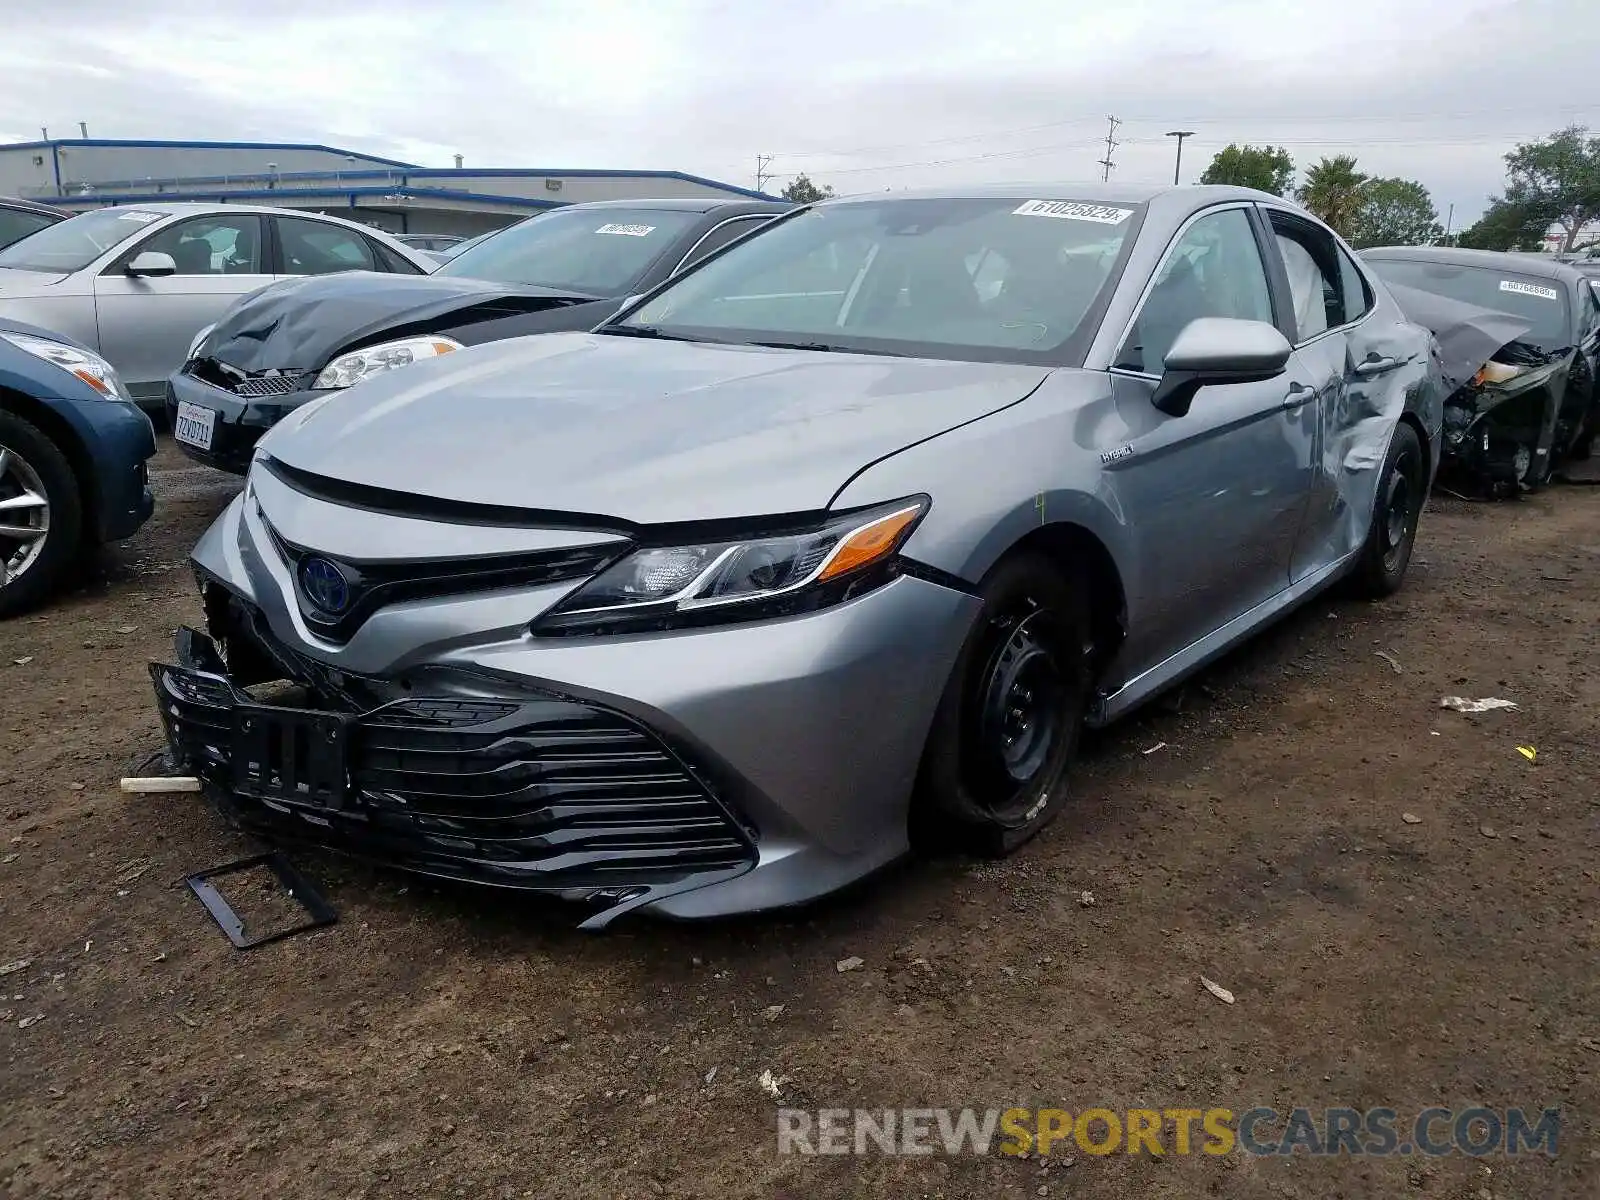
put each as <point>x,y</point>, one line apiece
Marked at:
<point>1506,414</point>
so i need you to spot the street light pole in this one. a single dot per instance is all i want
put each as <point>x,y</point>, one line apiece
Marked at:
<point>1180,134</point>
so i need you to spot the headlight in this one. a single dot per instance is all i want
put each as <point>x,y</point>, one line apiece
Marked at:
<point>194,346</point>
<point>374,360</point>
<point>669,587</point>
<point>91,368</point>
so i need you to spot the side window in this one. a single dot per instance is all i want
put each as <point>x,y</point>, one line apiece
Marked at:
<point>16,225</point>
<point>1311,259</point>
<point>1358,298</point>
<point>393,263</point>
<point>719,237</point>
<point>220,245</point>
<point>317,248</point>
<point>1214,270</point>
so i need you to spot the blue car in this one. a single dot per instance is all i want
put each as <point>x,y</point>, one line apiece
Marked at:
<point>74,450</point>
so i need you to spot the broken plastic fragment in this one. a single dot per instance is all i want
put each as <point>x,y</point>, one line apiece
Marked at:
<point>1217,990</point>
<point>1463,705</point>
<point>1527,752</point>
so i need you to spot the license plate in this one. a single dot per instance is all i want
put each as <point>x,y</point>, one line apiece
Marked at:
<point>290,754</point>
<point>195,426</point>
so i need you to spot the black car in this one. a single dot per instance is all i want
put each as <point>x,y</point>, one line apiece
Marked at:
<point>566,269</point>
<point>19,218</point>
<point>1534,402</point>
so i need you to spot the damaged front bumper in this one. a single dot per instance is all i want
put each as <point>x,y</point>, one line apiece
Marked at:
<point>527,791</point>
<point>1502,436</point>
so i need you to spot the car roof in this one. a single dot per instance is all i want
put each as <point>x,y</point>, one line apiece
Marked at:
<point>33,206</point>
<point>1486,260</point>
<point>698,204</point>
<point>1193,195</point>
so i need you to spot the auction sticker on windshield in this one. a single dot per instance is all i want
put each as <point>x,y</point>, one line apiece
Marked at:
<point>1529,289</point>
<point>628,230</point>
<point>143,218</point>
<point>1073,210</point>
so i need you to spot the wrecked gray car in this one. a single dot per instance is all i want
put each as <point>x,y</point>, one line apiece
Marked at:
<point>1518,337</point>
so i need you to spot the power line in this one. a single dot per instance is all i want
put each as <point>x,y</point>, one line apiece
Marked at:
<point>1288,120</point>
<point>1111,144</point>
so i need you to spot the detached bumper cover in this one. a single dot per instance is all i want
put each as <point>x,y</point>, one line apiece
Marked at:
<point>544,793</point>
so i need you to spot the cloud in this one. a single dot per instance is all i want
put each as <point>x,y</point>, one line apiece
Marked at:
<point>864,94</point>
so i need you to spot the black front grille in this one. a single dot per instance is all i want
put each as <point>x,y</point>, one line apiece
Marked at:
<point>544,793</point>
<point>249,384</point>
<point>374,585</point>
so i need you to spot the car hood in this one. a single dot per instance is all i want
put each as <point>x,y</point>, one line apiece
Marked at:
<point>637,430</point>
<point>16,283</point>
<point>298,325</point>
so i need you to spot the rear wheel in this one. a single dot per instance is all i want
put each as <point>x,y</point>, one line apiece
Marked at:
<point>1006,730</point>
<point>41,515</point>
<point>1395,512</point>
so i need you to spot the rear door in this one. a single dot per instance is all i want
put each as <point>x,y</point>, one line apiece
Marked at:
<point>147,323</point>
<point>1356,362</point>
<point>1213,498</point>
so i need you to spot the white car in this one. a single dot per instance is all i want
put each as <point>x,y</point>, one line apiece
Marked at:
<point>137,283</point>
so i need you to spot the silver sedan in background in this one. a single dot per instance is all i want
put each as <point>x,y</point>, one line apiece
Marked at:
<point>137,283</point>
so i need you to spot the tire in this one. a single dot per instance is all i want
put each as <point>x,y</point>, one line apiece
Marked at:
<point>1396,508</point>
<point>32,567</point>
<point>1025,675</point>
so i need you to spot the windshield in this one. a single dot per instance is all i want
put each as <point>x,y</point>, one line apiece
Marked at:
<point>945,277</point>
<point>73,244</point>
<point>1540,302</point>
<point>597,251</point>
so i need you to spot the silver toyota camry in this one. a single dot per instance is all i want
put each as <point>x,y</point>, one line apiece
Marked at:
<point>828,547</point>
<point>137,283</point>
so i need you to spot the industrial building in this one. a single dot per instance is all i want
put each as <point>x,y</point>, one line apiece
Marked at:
<point>82,173</point>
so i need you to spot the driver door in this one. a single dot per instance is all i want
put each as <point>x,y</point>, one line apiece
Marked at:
<point>147,323</point>
<point>1212,498</point>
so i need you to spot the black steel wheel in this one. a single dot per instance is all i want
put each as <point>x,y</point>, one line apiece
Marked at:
<point>1006,731</point>
<point>1396,509</point>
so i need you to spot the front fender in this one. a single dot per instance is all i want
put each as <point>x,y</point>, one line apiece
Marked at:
<point>1000,478</point>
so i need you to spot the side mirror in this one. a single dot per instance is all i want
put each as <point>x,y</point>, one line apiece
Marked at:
<point>1213,350</point>
<point>152,263</point>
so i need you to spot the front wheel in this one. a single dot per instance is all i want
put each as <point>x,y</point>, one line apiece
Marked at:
<point>1005,734</point>
<point>41,515</point>
<point>1396,510</point>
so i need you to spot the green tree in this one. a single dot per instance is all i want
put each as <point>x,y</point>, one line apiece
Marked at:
<point>1395,212</point>
<point>1335,191</point>
<point>1266,168</point>
<point>803,191</point>
<point>1505,226</point>
<point>1557,179</point>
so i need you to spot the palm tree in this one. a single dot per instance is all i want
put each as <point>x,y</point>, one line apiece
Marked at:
<point>1335,191</point>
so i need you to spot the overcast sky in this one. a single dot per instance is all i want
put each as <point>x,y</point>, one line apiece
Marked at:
<point>860,94</point>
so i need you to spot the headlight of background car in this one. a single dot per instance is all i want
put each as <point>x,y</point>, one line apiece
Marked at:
<point>374,360</point>
<point>199,340</point>
<point>669,587</point>
<point>1497,372</point>
<point>90,368</point>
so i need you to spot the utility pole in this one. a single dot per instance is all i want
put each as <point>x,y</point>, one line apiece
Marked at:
<point>1449,224</point>
<point>1111,144</point>
<point>1177,167</point>
<point>763,161</point>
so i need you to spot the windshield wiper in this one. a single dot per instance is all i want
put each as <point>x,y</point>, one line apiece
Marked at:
<point>821,347</point>
<point>644,331</point>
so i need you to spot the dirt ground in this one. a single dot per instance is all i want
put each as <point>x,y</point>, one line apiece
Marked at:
<point>439,1042</point>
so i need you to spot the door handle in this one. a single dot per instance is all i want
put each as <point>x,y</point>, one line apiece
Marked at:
<point>1376,366</point>
<point>1299,393</point>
